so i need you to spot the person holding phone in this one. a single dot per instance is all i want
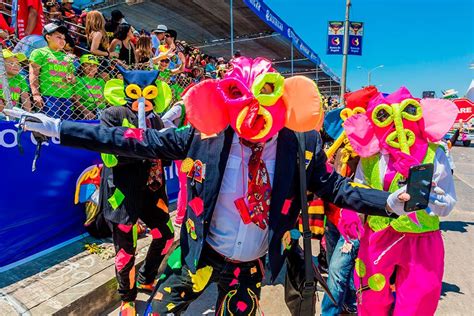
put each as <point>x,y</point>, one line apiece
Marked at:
<point>243,179</point>
<point>394,137</point>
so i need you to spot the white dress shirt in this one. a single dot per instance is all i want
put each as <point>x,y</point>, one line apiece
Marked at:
<point>441,176</point>
<point>228,234</point>
<point>172,117</point>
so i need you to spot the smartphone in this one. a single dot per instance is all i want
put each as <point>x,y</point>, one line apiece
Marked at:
<point>419,187</point>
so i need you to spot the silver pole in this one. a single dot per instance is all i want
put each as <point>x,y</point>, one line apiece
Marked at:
<point>231,28</point>
<point>5,87</point>
<point>292,69</point>
<point>345,49</point>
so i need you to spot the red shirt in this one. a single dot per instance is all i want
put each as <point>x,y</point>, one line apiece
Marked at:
<point>23,7</point>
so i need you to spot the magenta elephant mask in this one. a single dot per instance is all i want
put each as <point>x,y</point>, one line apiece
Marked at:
<point>401,126</point>
<point>255,100</point>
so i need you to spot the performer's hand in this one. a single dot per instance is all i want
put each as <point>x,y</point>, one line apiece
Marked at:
<point>396,201</point>
<point>36,122</point>
<point>440,201</point>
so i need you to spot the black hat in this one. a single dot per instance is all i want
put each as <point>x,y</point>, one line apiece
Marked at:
<point>173,33</point>
<point>50,28</point>
<point>116,15</point>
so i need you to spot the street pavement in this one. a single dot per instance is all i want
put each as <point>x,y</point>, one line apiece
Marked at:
<point>458,234</point>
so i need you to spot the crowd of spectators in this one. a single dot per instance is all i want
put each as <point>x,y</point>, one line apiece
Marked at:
<point>59,58</point>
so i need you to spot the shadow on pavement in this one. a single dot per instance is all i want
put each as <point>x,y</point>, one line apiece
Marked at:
<point>455,226</point>
<point>448,287</point>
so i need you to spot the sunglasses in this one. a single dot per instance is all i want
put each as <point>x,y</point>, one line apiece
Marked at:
<point>165,61</point>
<point>167,35</point>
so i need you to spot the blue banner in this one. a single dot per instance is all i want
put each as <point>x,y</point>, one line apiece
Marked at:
<point>278,25</point>
<point>335,38</point>
<point>356,31</point>
<point>37,209</point>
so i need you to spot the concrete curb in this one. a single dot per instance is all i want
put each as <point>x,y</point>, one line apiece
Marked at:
<point>79,283</point>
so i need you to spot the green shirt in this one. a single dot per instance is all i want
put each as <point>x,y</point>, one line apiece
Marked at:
<point>91,92</point>
<point>55,66</point>
<point>17,86</point>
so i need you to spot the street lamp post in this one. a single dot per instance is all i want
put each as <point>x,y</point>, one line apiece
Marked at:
<point>369,72</point>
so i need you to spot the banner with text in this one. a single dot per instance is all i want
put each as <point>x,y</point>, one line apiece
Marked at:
<point>356,31</point>
<point>37,208</point>
<point>335,37</point>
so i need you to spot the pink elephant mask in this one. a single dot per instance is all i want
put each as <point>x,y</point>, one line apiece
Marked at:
<point>255,100</point>
<point>401,126</point>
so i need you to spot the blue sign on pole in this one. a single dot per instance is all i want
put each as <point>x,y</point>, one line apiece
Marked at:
<point>335,37</point>
<point>356,31</point>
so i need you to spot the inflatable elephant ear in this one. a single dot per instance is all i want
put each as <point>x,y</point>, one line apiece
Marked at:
<point>205,108</point>
<point>304,107</point>
<point>361,135</point>
<point>164,96</point>
<point>114,92</point>
<point>438,116</point>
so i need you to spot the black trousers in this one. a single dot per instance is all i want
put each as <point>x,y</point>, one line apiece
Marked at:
<point>239,286</point>
<point>162,233</point>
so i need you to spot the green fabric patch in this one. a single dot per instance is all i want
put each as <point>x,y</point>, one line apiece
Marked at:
<point>360,268</point>
<point>182,128</point>
<point>170,226</point>
<point>126,123</point>
<point>174,260</point>
<point>135,235</point>
<point>109,160</point>
<point>116,199</point>
<point>377,282</point>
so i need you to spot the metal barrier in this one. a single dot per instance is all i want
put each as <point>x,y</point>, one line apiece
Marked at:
<point>64,86</point>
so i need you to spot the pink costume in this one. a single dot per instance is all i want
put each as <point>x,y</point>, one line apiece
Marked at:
<point>396,133</point>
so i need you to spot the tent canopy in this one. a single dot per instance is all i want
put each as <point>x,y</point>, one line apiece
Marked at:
<point>206,24</point>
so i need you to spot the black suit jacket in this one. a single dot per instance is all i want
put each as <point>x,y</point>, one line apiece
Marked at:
<point>177,144</point>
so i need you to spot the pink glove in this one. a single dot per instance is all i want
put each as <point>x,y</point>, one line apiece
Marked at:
<point>350,225</point>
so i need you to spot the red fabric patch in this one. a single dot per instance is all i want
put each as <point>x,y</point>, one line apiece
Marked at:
<point>168,245</point>
<point>121,259</point>
<point>234,282</point>
<point>155,233</point>
<point>241,306</point>
<point>237,272</point>
<point>286,206</point>
<point>134,133</point>
<point>197,205</point>
<point>125,228</point>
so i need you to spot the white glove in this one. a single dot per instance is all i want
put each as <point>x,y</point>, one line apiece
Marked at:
<point>36,122</point>
<point>396,201</point>
<point>440,201</point>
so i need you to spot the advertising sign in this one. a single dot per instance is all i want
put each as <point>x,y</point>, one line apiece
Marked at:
<point>356,31</point>
<point>466,109</point>
<point>335,37</point>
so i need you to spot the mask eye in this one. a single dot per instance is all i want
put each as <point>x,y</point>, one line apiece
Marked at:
<point>268,88</point>
<point>382,115</point>
<point>150,92</point>
<point>234,92</point>
<point>133,91</point>
<point>411,110</point>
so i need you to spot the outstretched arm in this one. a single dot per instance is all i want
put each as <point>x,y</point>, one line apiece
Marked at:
<point>342,191</point>
<point>171,144</point>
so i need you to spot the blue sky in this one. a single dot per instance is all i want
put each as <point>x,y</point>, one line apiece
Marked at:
<point>423,44</point>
